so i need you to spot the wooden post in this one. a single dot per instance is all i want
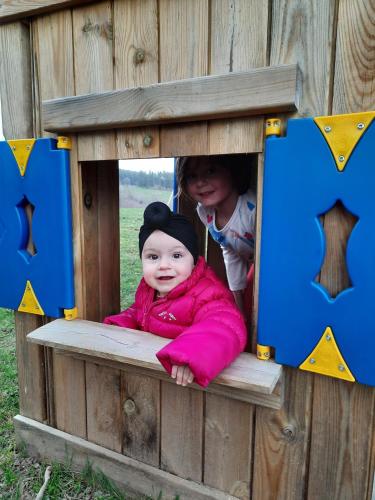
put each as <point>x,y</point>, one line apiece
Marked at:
<point>17,112</point>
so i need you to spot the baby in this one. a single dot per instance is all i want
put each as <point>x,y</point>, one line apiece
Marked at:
<point>181,298</point>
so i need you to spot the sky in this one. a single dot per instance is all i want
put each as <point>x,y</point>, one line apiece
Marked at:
<point>151,165</point>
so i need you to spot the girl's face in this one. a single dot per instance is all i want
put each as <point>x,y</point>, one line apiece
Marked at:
<point>166,262</point>
<point>208,183</point>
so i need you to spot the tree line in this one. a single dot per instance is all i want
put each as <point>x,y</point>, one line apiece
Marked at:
<point>156,180</point>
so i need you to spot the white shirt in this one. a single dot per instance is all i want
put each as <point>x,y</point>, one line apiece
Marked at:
<point>236,238</point>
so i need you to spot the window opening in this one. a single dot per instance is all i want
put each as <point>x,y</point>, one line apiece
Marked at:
<point>26,212</point>
<point>141,183</point>
<point>334,264</point>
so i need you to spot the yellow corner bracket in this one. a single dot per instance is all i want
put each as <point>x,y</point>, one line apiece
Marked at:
<point>64,142</point>
<point>273,126</point>
<point>70,313</point>
<point>263,352</point>
<point>342,132</point>
<point>29,302</point>
<point>21,149</point>
<point>327,359</point>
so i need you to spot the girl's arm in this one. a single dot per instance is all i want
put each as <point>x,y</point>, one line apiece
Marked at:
<point>216,337</point>
<point>126,319</point>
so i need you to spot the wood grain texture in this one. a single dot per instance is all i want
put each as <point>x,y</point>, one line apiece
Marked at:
<point>235,47</point>
<point>70,395</point>
<point>270,89</point>
<point>17,116</point>
<point>136,64</point>
<point>93,70</point>
<point>302,32</point>
<point>104,415</point>
<point>132,476</point>
<point>141,415</point>
<point>18,9</point>
<point>228,445</point>
<point>181,431</point>
<point>183,49</point>
<point>282,442</point>
<point>354,85</point>
<point>100,220</point>
<point>139,349</point>
<point>341,444</point>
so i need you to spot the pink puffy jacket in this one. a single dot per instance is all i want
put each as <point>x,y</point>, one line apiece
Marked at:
<point>199,314</point>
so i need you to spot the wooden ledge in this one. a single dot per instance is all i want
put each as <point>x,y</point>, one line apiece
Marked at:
<point>272,89</point>
<point>11,10</point>
<point>247,378</point>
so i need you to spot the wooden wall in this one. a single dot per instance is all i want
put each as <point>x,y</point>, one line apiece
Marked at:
<point>322,443</point>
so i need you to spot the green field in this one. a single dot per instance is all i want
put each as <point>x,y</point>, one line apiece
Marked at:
<point>22,477</point>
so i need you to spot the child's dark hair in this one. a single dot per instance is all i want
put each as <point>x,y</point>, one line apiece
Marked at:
<point>238,166</point>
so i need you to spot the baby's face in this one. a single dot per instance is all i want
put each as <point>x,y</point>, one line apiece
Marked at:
<point>166,262</point>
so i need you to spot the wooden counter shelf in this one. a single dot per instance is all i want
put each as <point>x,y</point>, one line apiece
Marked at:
<point>246,379</point>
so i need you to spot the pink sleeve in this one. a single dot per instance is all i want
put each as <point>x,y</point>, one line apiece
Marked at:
<point>217,336</point>
<point>126,319</point>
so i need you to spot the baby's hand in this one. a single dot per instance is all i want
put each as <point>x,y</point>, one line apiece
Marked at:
<point>182,374</point>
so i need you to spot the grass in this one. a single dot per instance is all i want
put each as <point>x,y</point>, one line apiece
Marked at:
<point>22,477</point>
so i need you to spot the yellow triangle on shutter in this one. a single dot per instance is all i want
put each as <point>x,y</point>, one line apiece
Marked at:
<point>327,359</point>
<point>29,302</point>
<point>21,149</point>
<point>342,132</point>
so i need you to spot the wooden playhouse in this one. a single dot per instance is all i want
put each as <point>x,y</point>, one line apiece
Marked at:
<point>144,72</point>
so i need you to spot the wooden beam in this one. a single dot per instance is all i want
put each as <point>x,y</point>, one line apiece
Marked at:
<point>261,90</point>
<point>11,10</point>
<point>136,348</point>
<point>130,475</point>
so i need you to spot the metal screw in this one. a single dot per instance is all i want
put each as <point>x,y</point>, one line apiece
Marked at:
<point>360,126</point>
<point>341,158</point>
<point>14,148</point>
<point>327,128</point>
<point>147,141</point>
<point>328,337</point>
<point>23,304</point>
<point>28,148</point>
<point>341,368</point>
<point>312,361</point>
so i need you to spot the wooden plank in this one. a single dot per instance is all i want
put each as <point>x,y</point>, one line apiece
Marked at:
<point>70,395</point>
<point>228,445</point>
<point>342,429</point>
<point>141,404</point>
<point>93,70</point>
<point>281,441</point>
<point>104,415</point>
<point>346,436</point>
<point>355,63</point>
<point>183,49</point>
<point>132,476</point>
<point>136,56</point>
<point>16,100</point>
<point>274,400</point>
<point>282,437</point>
<point>18,9</point>
<point>262,90</point>
<point>139,348</point>
<point>181,431</point>
<point>235,47</point>
<point>54,76</point>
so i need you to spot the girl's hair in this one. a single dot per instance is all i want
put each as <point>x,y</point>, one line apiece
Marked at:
<point>238,166</point>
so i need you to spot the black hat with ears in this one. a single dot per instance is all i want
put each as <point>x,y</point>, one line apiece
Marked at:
<point>157,215</point>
